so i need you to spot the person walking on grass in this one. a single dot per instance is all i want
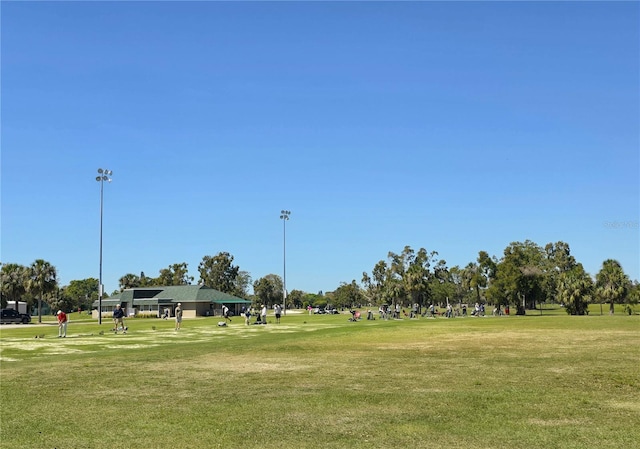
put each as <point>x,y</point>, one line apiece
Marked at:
<point>225,313</point>
<point>118,319</point>
<point>178,313</point>
<point>62,324</point>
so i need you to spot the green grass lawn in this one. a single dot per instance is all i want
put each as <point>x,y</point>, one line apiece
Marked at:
<point>550,381</point>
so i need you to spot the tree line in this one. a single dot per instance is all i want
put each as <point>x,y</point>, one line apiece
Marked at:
<point>525,276</point>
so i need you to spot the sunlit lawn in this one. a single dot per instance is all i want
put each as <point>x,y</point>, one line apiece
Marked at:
<point>321,381</point>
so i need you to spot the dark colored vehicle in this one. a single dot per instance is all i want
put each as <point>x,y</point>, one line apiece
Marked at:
<point>13,316</point>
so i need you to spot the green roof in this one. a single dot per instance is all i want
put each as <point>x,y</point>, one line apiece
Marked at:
<point>173,294</point>
<point>197,293</point>
<point>152,301</point>
<point>111,301</point>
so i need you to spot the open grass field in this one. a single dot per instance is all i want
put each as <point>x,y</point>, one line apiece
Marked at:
<point>550,381</point>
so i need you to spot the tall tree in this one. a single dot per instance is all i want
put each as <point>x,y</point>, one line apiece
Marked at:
<point>404,278</point>
<point>14,278</point>
<point>176,274</point>
<point>559,256</point>
<point>219,272</point>
<point>458,289</point>
<point>348,295</point>
<point>474,280</point>
<point>611,283</point>
<point>558,260</point>
<point>242,284</point>
<point>268,290</point>
<point>82,292</point>
<point>395,291</point>
<point>487,264</point>
<point>440,287</point>
<point>518,277</point>
<point>376,283</point>
<point>295,299</point>
<point>42,280</point>
<point>421,284</point>
<point>146,281</point>
<point>476,275</point>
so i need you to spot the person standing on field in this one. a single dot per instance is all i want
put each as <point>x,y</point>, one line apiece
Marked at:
<point>62,324</point>
<point>263,314</point>
<point>178,313</point>
<point>118,319</point>
<point>278,312</point>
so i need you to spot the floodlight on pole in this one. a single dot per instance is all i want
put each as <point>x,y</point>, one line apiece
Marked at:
<point>103,175</point>
<point>284,216</point>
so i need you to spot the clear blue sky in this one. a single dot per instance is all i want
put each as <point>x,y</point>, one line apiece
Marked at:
<point>456,127</point>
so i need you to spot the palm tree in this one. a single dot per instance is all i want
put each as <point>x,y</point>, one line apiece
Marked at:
<point>474,279</point>
<point>129,280</point>
<point>574,290</point>
<point>415,283</point>
<point>611,283</point>
<point>42,279</point>
<point>14,281</point>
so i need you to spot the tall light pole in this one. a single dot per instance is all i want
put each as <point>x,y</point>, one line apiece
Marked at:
<point>103,175</point>
<point>284,216</point>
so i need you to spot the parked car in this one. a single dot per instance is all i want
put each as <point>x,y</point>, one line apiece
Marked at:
<point>13,316</point>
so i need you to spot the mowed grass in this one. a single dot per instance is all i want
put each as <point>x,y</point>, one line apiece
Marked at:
<point>324,382</point>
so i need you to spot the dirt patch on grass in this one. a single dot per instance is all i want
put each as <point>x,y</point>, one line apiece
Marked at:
<point>231,364</point>
<point>625,405</point>
<point>557,422</point>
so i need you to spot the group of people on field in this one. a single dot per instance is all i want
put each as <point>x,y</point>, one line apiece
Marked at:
<point>397,312</point>
<point>261,314</point>
<point>119,315</point>
<point>385,311</point>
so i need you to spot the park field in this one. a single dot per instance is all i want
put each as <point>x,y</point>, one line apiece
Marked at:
<point>550,381</point>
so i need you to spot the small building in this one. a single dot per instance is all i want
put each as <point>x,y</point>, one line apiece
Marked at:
<point>196,300</point>
<point>22,306</point>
